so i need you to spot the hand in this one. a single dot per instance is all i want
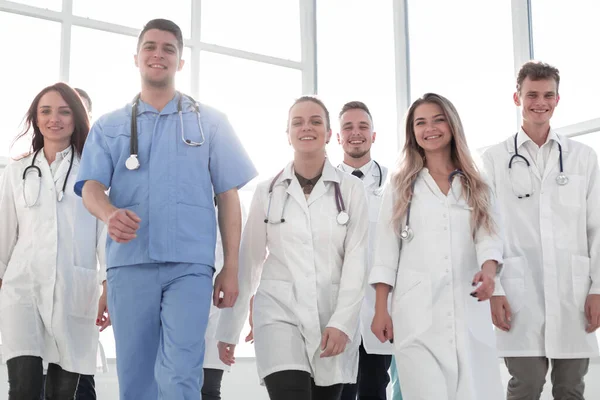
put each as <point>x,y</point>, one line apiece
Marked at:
<point>226,283</point>
<point>103,317</point>
<point>226,352</point>
<point>382,326</point>
<point>501,314</point>
<point>122,225</point>
<point>592,312</point>
<point>250,337</point>
<point>486,289</point>
<point>333,342</point>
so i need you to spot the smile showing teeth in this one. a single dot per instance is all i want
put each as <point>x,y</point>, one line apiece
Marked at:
<point>307,138</point>
<point>157,66</point>
<point>539,111</point>
<point>433,137</point>
<point>356,142</point>
<point>54,128</point>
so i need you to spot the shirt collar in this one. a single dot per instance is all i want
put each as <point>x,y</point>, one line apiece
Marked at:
<point>364,169</point>
<point>523,137</point>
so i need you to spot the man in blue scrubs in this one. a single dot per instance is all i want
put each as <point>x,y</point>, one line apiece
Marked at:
<point>161,221</point>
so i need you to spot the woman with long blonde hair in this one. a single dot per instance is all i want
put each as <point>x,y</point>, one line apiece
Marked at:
<point>438,250</point>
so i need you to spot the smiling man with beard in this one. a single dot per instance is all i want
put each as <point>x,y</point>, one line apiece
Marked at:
<point>356,137</point>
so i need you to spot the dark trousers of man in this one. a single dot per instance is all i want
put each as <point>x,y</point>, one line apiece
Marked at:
<point>86,389</point>
<point>373,377</point>
<point>211,388</point>
<point>26,380</point>
<point>298,385</point>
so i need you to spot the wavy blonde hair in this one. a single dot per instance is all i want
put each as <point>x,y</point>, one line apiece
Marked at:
<point>412,161</point>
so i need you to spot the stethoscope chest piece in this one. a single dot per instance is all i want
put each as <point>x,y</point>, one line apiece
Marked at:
<point>343,218</point>
<point>562,179</point>
<point>132,162</point>
<point>407,234</point>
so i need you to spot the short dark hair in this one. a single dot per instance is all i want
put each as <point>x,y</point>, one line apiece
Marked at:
<point>163,25</point>
<point>537,71</point>
<point>317,101</point>
<point>355,105</point>
<point>83,94</point>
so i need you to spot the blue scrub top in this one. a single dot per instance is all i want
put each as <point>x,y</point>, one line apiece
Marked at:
<point>172,191</point>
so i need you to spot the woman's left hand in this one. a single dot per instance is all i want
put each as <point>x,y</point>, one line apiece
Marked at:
<point>103,317</point>
<point>486,278</point>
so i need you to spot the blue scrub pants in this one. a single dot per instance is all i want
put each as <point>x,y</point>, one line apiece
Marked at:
<point>159,314</point>
<point>396,392</point>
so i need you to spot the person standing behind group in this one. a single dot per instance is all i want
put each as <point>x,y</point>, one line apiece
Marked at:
<point>311,223</point>
<point>51,290</point>
<point>438,237</point>
<point>164,157</point>
<point>547,303</point>
<point>356,135</point>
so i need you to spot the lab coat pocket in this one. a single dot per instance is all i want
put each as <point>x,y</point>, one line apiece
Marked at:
<point>411,306</point>
<point>572,194</point>
<point>580,273</point>
<point>513,282</point>
<point>273,303</point>
<point>85,293</point>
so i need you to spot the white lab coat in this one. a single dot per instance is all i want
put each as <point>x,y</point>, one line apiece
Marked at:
<point>211,353</point>
<point>371,181</point>
<point>48,265</point>
<point>551,251</point>
<point>312,278</point>
<point>443,338</point>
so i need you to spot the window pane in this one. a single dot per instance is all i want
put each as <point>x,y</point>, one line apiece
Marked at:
<point>470,63</point>
<point>115,82</point>
<point>36,67</point>
<point>135,13</point>
<point>352,68</point>
<point>566,35</point>
<point>54,5</point>
<point>258,113</point>
<point>270,27</point>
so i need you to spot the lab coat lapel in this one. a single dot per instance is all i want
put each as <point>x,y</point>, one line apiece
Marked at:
<point>510,143</point>
<point>329,176</point>
<point>553,163</point>
<point>293,188</point>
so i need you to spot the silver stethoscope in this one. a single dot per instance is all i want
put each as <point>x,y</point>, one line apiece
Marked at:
<point>380,173</point>
<point>407,234</point>
<point>342,217</point>
<point>36,169</point>
<point>561,178</point>
<point>132,162</point>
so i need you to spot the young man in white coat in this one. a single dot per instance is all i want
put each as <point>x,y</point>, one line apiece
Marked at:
<point>356,136</point>
<point>546,305</point>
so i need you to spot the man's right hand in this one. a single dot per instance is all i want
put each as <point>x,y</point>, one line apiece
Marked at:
<point>122,225</point>
<point>501,314</point>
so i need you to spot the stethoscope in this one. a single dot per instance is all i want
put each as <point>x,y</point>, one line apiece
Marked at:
<point>132,162</point>
<point>561,178</point>
<point>380,173</point>
<point>37,169</point>
<point>407,234</point>
<point>342,217</point>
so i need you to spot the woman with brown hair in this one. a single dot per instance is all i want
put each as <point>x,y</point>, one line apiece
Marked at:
<point>50,284</point>
<point>438,250</point>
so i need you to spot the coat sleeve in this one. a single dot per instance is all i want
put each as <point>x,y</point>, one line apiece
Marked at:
<point>252,256</point>
<point>387,245</point>
<point>101,233</point>
<point>354,267</point>
<point>593,221</point>
<point>9,227</point>
<point>489,173</point>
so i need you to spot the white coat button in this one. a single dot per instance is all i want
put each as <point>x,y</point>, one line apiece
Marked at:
<point>445,257</point>
<point>445,228</point>
<point>450,314</point>
<point>444,215</point>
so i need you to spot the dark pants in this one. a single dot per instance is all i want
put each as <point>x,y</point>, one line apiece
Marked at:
<point>211,388</point>
<point>86,390</point>
<point>528,375</point>
<point>26,380</point>
<point>298,385</point>
<point>373,378</point>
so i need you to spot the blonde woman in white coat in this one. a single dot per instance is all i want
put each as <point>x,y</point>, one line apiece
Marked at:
<point>50,246</point>
<point>438,249</point>
<point>311,223</point>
